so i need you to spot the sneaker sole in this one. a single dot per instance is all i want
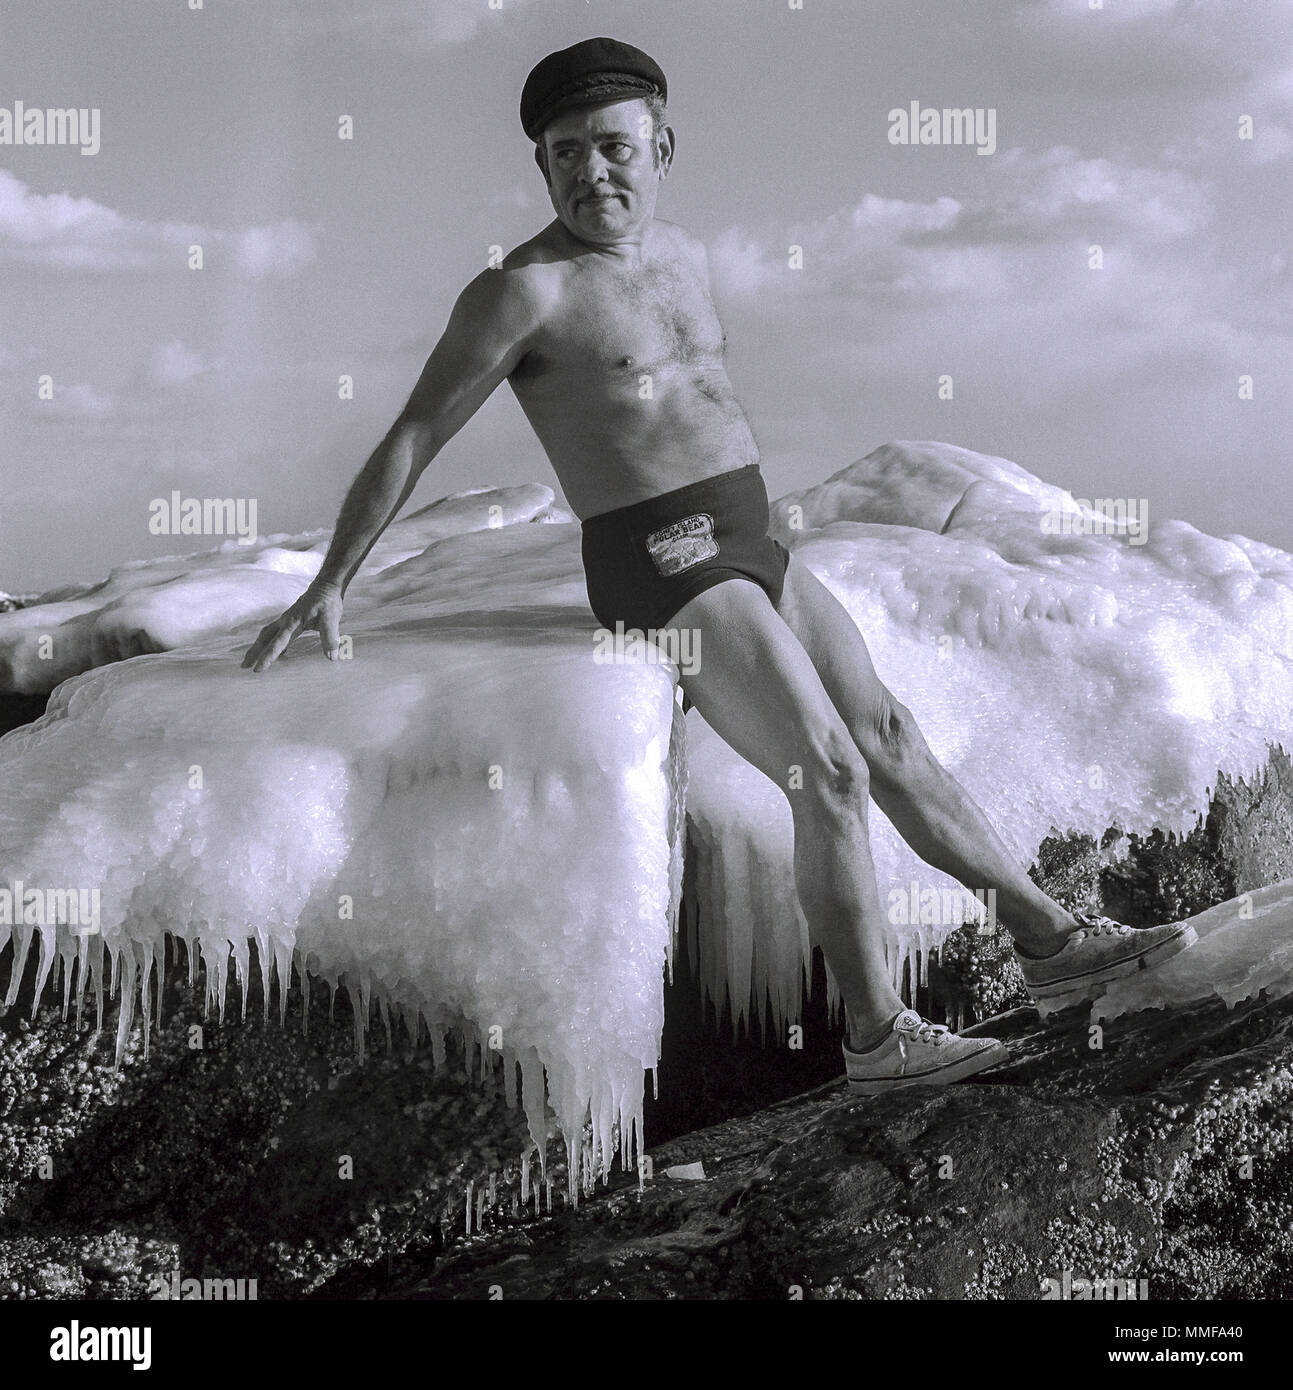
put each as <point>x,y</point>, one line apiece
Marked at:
<point>1075,988</point>
<point>935,1076</point>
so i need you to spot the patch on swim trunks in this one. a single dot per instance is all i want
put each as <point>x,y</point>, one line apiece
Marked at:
<point>682,544</point>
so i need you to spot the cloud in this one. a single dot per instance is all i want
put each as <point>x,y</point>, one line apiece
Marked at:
<point>172,364</point>
<point>951,246</point>
<point>392,24</point>
<point>1182,49</point>
<point>1116,12</point>
<point>77,402</point>
<point>66,232</point>
<point>1061,194</point>
<point>280,249</point>
<point>894,215</point>
<point>1272,142</point>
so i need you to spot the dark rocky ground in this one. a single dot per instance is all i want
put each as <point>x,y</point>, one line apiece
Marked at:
<point>1163,1154</point>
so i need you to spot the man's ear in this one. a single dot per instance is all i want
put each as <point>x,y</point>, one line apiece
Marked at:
<point>540,158</point>
<point>665,148</point>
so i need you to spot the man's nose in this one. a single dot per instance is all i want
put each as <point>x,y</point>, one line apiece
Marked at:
<point>592,169</point>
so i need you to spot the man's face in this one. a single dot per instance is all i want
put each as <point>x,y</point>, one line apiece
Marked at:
<point>602,177</point>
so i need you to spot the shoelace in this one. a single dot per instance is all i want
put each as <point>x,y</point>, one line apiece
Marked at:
<point>1095,925</point>
<point>934,1033</point>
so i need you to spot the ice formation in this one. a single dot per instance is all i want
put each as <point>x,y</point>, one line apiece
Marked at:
<point>1069,681</point>
<point>392,821</point>
<point>159,605</point>
<point>502,812</point>
<point>1245,946</point>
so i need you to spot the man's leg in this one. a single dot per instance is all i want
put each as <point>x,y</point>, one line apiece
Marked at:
<point>757,689</point>
<point>927,805</point>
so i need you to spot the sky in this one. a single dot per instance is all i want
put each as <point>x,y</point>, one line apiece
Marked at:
<point>126,375</point>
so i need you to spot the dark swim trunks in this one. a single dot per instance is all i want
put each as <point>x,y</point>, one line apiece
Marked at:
<point>644,561</point>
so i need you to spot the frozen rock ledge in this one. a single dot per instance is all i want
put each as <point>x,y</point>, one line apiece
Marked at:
<point>479,825</point>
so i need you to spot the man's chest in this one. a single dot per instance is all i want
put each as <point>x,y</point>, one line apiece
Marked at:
<point>657,317</point>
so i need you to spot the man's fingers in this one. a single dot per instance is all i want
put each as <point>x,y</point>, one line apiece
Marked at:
<point>330,633</point>
<point>274,638</point>
<point>272,642</point>
<point>278,646</point>
<point>263,638</point>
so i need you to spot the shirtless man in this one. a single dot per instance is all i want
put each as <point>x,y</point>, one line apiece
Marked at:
<point>604,327</point>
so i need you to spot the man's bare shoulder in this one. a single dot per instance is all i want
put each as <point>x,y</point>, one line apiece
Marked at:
<point>680,240</point>
<point>515,295</point>
<point>524,286</point>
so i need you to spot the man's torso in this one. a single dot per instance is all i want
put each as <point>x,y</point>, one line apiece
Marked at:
<point>624,382</point>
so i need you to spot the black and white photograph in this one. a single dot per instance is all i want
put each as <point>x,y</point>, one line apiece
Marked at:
<point>646,654</point>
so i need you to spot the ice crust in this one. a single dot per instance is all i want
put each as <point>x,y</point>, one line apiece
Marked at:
<point>159,605</point>
<point>436,779</point>
<point>1070,683</point>
<point>1245,947</point>
<point>505,812</point>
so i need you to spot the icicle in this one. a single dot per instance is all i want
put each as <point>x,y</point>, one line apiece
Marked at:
<point>82,969</point>
<point>67,987</point>
<point>161,988</point>
<point>44,963</point>
<point>469,1187</point>
<point>241,953</point>
<point>123,961</point>
<point>525,1177</point>
<point>533,1104</point>
<point>98,985</point>
<point>146,994</point>
<point>509,1078</point>
<point>359,1012</point>
<point>264,960</point>
<point>21,942</point>
<point>222,983</point>
<point>480,1211</point>
<point>493,1186</point>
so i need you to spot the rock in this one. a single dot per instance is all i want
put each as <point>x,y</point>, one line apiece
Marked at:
<point>1121,1163</point>
<point>1126,1161</point>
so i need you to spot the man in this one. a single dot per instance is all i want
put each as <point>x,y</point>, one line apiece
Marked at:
<point>604,327</point>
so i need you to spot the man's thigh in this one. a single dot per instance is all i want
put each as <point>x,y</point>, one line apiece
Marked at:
<point>838,652</point>
<point>758,690</point>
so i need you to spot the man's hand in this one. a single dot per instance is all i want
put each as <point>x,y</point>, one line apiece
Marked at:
<point>318,610</point>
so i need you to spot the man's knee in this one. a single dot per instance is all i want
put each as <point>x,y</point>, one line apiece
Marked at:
<point>895,745</point>
<point>837,778</point>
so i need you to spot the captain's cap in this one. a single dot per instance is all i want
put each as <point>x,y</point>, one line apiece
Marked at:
<point>590,73</point>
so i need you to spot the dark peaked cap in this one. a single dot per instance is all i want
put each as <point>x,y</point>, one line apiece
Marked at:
<point>590,73</point>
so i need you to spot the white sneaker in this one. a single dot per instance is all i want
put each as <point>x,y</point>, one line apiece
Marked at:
<point>1098,951</point>
<point>918,1053</point>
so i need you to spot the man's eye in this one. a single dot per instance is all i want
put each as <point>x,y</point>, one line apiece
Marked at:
<point>619,150</point>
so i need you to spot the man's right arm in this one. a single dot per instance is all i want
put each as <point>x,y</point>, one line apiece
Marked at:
<point>489,331</point>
